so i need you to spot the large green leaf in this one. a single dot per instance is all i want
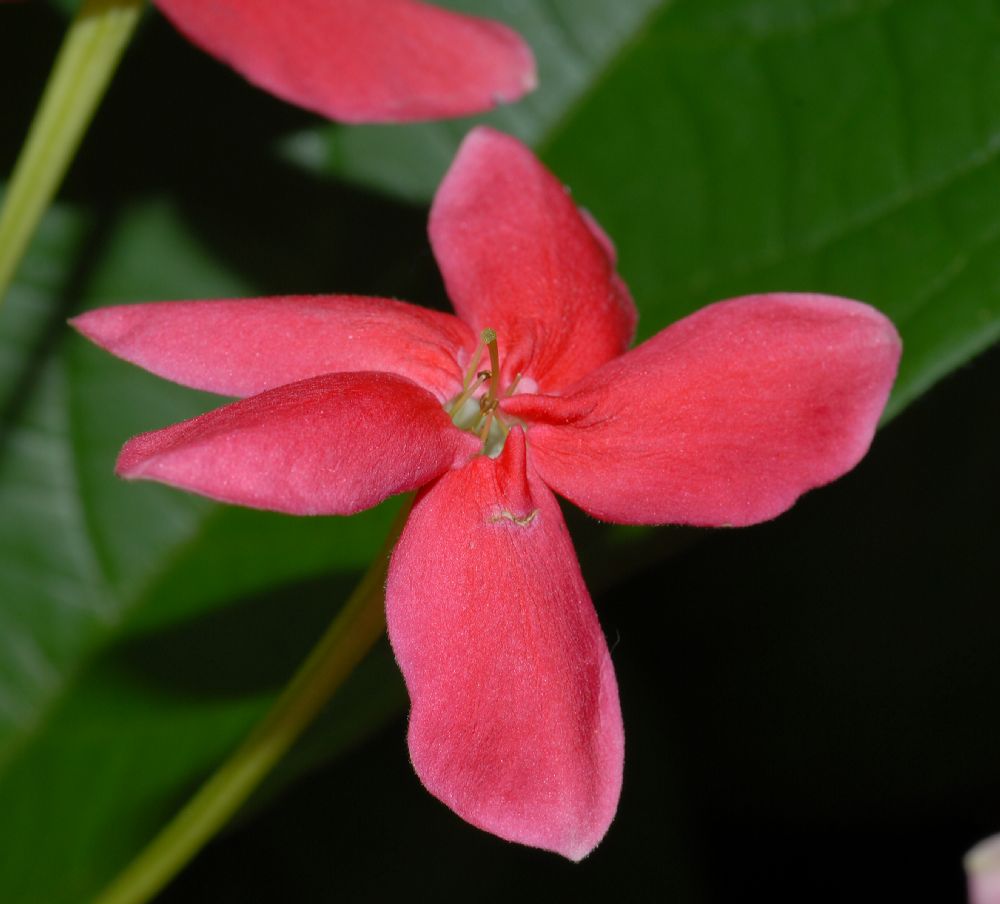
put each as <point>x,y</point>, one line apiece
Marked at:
<point>843,147</point>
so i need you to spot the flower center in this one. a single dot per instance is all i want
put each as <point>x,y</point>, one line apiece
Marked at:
<point>477,407</point>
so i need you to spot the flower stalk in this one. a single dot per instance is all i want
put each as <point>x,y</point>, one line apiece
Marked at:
<point>351,634</point>
<point>81,74</point>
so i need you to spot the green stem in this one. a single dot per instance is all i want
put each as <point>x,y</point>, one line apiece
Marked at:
<point>80,76</point>
<point>355,629</point>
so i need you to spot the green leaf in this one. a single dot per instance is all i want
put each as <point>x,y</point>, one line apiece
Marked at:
<point>835,147</point>
<point>742,146</point>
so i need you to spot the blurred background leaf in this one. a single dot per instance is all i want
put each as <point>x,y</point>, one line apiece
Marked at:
<point>796,685</point>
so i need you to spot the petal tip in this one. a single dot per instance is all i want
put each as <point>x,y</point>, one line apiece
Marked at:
<point>481,136</point>
<point>518,71</point>
<point>584,839</point>
<point>529,75</point>
<point>131,458</point>
<point>883,328</point>
<point>523,72</point>
<point>577,852</point>
<point>530,79</point>
<point>101,326</point>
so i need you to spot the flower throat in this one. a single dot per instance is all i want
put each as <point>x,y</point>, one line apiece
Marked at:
<point>481,414</point>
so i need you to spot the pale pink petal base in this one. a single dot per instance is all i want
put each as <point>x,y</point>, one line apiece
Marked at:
<point>362,60</point>
<point>519,257</point>
<point>331,445</point>
<point>724,418</point>
<point>245,346</point>
<point>515,722</point>
<point>982,866</point>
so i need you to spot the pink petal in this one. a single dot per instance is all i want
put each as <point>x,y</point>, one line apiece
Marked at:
<point>982,864</point>
<point>330,445</point>
<point>519,257</point>
<point>724,418</point>
<point>515,722</point>
<point>362,60</point>
<point>245,346</point>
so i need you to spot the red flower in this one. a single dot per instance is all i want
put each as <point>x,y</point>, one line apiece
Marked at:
<point>724,418</point>
<point>362,60</point>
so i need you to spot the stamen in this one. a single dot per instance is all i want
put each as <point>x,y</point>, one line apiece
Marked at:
<point>513,386</point>
<point>489,336</point>
<point>466,393</point>
<point>474,363</point>
<point>481,416</point>
<point>484,434</point>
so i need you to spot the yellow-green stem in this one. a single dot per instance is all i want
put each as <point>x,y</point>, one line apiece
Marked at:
<point>353,632</point>
<point>80,76</point>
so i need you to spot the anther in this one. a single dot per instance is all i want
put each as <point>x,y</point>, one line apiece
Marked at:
<point>467,393</point>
